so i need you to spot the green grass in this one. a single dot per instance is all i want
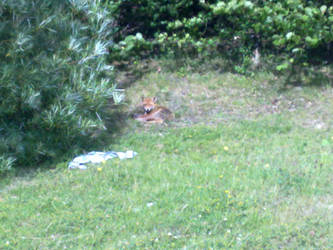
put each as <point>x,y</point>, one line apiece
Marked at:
<point>232,170</point>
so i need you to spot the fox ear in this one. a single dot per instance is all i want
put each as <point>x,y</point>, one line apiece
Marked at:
<point>154,99</point>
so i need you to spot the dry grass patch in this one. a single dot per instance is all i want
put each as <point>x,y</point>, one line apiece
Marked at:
<point>214,98</point>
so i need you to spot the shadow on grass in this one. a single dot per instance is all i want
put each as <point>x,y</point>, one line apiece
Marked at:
<point>128,73</point>
<point>99,140</point>
<point>300,76</point>
<point>115,118</point>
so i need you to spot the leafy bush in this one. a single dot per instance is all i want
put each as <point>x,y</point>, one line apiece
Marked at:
<point>299,29</point>
<point>55,81</point>
<point>292,27</point>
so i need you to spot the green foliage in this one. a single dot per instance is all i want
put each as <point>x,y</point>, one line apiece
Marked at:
<point>131,46</point>
<point>6,164</point>
<point>55,81</point>
<point>299,29</point>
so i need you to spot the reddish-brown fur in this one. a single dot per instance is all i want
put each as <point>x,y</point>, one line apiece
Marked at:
<point>153,113</point>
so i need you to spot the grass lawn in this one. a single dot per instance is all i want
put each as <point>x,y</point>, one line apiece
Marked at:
<point>246,164</point>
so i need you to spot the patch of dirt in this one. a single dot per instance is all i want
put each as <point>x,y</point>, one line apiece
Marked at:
<point>215,98</point>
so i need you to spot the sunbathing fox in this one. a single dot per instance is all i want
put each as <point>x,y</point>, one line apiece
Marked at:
<point>153,112</point>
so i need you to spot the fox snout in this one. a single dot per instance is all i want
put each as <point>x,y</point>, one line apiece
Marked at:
<point>148,109</point>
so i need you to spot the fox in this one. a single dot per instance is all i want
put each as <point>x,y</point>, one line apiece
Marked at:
<point>153,113</point>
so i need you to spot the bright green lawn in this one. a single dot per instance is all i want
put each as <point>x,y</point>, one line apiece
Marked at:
<point>232,171</point>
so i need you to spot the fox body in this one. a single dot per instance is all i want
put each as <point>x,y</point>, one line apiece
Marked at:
<point>153,113</point>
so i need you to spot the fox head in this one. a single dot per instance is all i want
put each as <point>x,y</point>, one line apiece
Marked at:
<point>148,103</point>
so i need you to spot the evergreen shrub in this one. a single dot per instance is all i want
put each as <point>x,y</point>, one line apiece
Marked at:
<point>55,82</point>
